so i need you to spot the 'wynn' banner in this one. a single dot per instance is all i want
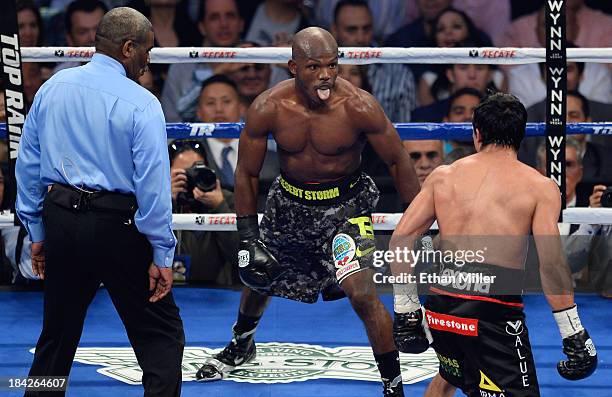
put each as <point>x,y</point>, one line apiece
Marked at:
<point>556,93</point>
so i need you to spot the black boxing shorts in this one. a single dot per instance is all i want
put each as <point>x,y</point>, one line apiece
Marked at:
<point>481,339</point>
<point>321,233</point>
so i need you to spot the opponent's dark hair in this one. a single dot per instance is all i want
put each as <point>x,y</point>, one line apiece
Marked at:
<point>353,3</point>
<point>219,78</point>
<point>501,119</point>
<point>84,6</point>
<point>586,109</point>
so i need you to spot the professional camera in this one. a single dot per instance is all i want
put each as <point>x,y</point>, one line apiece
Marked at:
<point>606,197</point>
<point>200,176</point>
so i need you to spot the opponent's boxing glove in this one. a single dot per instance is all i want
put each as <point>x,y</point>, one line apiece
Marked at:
<point>577,346</point>
<point>410,332</point>
<point>257,266</point>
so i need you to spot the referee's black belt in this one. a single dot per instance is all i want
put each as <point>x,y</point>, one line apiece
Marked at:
<point>74,199</point>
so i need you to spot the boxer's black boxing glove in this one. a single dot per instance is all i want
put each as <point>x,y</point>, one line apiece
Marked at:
<point>581,354</point>
<point>578,347</point>
<point>410,332</point>
<point>257,266</point>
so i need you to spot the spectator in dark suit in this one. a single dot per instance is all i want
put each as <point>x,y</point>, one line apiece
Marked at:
<point>573,174</point>
<point>590,247</point>
<point>593,156</point>
<point>219,103</point>
<point>599,111</point>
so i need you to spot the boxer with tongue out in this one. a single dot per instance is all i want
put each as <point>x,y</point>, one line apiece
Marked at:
<point>316,236</point>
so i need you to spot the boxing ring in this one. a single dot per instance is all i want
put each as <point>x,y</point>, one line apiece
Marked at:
<point>303,350</point>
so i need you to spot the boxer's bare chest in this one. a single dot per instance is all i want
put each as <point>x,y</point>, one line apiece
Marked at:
<point>328,132</point>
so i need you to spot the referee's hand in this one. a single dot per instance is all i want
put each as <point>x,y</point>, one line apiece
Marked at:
<point>160,281</point>
<point>38,259</point>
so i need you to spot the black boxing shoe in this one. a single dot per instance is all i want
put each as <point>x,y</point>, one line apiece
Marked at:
<point>240,350</point>
<point>393,388</point>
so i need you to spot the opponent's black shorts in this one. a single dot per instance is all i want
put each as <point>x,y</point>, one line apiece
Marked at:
<point>321,233</point>
<point>481,339</point>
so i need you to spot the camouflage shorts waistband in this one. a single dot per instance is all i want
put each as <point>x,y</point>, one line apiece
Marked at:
<point>323,193</point>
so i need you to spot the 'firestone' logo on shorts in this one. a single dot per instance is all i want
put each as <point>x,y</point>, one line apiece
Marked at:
<point>456,325</point>
<point>275,363</point>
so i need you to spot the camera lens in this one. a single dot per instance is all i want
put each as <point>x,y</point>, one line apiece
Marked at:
<point>204,178</point>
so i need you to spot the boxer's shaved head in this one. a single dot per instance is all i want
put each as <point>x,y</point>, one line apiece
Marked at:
<point>314,63</point>
<point>313,42</point>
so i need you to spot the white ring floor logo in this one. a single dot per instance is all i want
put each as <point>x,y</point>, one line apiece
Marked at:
<point>275,363</point>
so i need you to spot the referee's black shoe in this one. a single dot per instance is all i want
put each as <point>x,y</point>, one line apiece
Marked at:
<point>240,350</point>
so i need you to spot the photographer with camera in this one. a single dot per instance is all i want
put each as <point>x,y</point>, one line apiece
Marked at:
<point>601,197</point>
<point>592,245</point>
<point>196,189</point>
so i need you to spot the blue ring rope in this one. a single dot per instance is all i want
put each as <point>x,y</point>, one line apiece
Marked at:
<point>407,131</point>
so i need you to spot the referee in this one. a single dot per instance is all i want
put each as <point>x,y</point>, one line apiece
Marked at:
<point>93,181</point>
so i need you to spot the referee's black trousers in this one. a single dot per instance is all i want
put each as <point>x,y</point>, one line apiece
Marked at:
<point>84,248</point>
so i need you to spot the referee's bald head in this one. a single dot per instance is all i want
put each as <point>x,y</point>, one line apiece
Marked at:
<point>120,25</point>
<point>127,36</point>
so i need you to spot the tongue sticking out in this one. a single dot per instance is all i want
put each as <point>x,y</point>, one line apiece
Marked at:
<point>323,93</point>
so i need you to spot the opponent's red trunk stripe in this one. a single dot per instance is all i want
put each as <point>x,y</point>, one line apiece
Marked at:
<point>475,297</point>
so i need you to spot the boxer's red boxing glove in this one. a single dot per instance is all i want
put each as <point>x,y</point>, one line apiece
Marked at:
<point>577,346</point>
<point>257,266</point>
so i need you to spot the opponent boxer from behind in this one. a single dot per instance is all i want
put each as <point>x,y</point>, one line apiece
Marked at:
<point>479,332</point>
<point>317,232</point>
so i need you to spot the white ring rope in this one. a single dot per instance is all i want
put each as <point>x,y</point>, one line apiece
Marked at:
<point>348,55</point>
<point>382,221</point>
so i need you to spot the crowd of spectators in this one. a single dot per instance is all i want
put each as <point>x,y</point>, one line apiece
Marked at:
<point>222,92</point>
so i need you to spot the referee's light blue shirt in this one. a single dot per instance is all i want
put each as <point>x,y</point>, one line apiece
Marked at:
<point>92,127</point>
